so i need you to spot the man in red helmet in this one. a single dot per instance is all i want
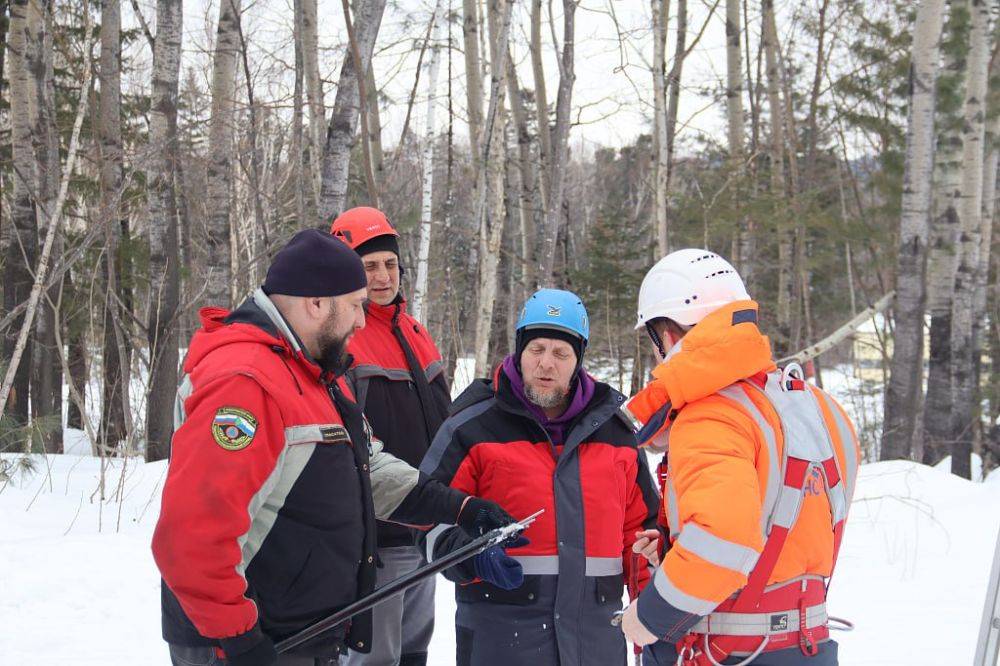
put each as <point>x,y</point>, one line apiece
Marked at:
<point>399,381</point>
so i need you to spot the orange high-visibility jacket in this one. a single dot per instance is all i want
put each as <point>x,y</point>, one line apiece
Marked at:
<point>725,441</point>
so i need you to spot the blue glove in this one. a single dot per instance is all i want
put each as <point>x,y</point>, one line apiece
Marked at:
<point>495,566</point>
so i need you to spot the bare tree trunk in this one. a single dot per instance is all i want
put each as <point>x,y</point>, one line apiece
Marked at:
<point>299,171</point>
<point>541,102</point>
<point>314,96</point>
<point>779,188</point>
<point>115,398</point>
<point>220,156</point>
<point>427,203</point>
<point>527,181</point>
<point>942,259</point>
<point>374,126</point>
<point>560,145</point>
<point>674,93</point>
<point>46,398</point>
<point>163,254</point>
<point>28,25</point>
<point>964,410</point>
<point>490,180</point>
<point>342,130</point>
<point>21,252</point>
<point>473,77</point>
<point>661,11</point>
<point>734,117</point>
<point>903,395</point>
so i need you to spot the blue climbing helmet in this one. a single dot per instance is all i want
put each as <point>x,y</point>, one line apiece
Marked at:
<point>555,308</point>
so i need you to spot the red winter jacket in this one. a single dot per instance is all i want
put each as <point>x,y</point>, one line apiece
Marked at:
<point>400,384</point>
<point>268,512</point>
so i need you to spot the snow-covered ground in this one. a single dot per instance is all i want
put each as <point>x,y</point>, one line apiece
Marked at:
<point>78,584</point>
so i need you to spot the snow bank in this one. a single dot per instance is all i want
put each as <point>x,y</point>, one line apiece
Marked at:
<point>79,584</point>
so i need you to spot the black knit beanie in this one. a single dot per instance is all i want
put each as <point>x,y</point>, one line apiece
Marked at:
<point>385,242</point>
<point>315,263</point>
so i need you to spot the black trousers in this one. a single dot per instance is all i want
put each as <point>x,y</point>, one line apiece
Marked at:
<point>183,655</point>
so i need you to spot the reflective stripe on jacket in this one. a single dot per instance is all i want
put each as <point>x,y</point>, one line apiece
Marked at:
<point>726,440</point>
<point>596,491</point>
<point>273,527</point>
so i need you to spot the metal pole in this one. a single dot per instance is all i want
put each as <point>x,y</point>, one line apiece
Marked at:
<point>403,583</point>
<point>988,648</point>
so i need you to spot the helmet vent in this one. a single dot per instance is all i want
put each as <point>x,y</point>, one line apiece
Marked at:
<point>717,273</point>
<point>703,257</point>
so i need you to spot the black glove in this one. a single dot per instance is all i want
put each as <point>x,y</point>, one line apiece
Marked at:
<point>241,652</point>
<point>479,516</point>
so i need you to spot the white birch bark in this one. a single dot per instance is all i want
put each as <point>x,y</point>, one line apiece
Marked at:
<point>964,411</point>
<point>942,256</point>
<point>660,10</point>
<point>903,394</point>
<point>427,202</point>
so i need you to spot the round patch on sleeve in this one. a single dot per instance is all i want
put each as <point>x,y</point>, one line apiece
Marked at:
<point>233,428</point>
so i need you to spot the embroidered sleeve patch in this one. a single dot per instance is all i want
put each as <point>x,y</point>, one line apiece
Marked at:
<point>233,428</point>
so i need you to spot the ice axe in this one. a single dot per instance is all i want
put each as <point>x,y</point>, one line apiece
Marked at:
<point>403,583</point>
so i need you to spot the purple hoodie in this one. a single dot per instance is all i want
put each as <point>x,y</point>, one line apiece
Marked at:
<point>556,428</point>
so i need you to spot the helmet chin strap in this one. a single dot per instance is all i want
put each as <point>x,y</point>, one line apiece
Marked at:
<point>657,340</point>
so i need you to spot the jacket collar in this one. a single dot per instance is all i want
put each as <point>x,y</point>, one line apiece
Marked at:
<point>386,314</point>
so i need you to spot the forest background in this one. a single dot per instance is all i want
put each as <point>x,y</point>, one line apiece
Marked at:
<point>154,155</point>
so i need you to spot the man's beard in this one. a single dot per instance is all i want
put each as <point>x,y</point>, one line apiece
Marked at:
<point>557,397</point>
<point>333,355</point>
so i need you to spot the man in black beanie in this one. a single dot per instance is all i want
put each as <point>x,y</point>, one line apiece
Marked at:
<point>268,513</point>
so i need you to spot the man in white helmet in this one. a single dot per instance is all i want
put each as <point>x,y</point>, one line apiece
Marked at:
<point>757,479</point>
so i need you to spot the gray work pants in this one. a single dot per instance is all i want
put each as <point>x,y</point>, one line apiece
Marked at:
<point>402,625</point>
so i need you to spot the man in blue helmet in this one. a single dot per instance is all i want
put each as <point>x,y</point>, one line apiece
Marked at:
<point>544,434</point>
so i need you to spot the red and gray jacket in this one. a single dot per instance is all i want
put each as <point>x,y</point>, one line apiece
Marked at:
<point>596,490</point>
<point>399,381</point>
<point>268,512</point>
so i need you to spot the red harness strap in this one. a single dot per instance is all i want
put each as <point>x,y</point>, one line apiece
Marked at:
<point>750,599</point>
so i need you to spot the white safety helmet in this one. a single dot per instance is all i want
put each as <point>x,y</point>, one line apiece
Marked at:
<point>687,285</point>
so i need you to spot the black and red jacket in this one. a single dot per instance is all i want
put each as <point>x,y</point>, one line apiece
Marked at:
<point>596,491</point>
<point>271,534</point>
<point>399,381</point>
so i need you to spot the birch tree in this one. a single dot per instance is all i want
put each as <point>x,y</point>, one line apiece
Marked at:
<point>490,184</point>
<point>164,277</point>
<point>427,198</point>
<point>661,12</point>
<point>964,410</point>
<point>903,393</point>
<point>220,155</point>
<point>941,252</point>
<point>342,129</point>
